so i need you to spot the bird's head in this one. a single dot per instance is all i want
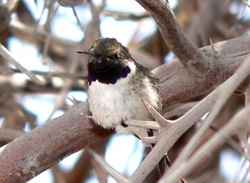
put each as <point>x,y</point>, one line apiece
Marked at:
<point>108,61</point>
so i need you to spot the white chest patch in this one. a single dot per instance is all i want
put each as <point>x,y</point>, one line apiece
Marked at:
<point>111,104</point>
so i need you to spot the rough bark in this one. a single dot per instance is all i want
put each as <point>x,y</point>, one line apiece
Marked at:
<point>46,145</point>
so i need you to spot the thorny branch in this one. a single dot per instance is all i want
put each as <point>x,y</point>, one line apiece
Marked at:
<point>225,90</point>
<point>220,95</point>
<point>76,120</point>
<point>43,147</point>
<point>175,38</point>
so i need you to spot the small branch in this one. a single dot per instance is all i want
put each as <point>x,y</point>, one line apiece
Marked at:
<point>60,100</point>
<point>114,173</point>
<point>124,15</point>
<point>77,19</point>
<point>210,146</point>
<point>148,141</point>
<point>246,3</point>
<point>26,32</point>
<point>175,38</point>
<point>7,55</point>
<point>247,96</point>
<point>47,28</point>
<point>12,4</point>
<point>58,175</point>
<point>53,74</point>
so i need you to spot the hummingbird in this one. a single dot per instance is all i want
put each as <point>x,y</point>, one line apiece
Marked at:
<point>117,86</point>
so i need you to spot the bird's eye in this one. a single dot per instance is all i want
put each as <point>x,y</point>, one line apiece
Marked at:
<point>115,56</point>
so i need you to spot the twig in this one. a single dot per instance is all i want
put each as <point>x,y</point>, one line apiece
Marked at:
<point>246,3</point>
<point>54,74</point>
<point>247,96</point>
<point>114,173</point>
<point>7,55</point>
<point>148,141</point>
<point>58,175</point>
<point>67,86</point>
<point>77,19</point>
<point>124,15</point>
<point>12,4</point>
<point>47,28</point>
<point>26,32</point>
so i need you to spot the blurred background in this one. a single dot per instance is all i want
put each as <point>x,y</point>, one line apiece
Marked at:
<point>44,35</point>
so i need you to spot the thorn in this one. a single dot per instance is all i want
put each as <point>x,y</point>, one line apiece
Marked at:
<point>73,101</point>
<point>212,44</point>
<point>91,117</point>
<point>143,124</point>
<point>214,52</point>
<point>163,123</point>
<point>33,173</point>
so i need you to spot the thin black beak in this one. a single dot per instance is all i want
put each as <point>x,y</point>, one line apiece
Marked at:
<point>86,52</point>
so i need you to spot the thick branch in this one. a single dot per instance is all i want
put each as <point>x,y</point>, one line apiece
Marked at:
<point>175,38</point>
<point>178,85</point>
<point>46,145</point>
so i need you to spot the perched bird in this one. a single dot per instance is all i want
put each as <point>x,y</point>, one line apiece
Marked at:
<point>117,87</point>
